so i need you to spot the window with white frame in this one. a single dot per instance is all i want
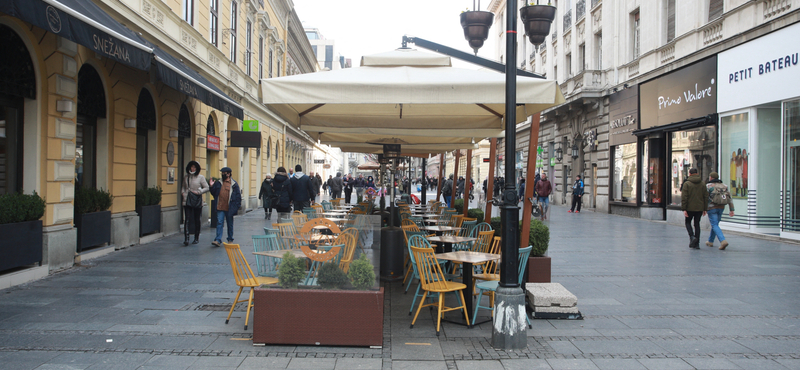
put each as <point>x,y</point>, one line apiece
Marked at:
<point>569,65</point>
<point>213,26</point>
<point>279,68</point>
<point>669,20</point>
<point>581,57</point>
<point>248,37</point>
<point>269,62</point>
<point>188,11</point>
<point>233,29</point>
<point>715,9</point>
<point>260,57</point>
<point>598,51</point>
<point>635,35</point>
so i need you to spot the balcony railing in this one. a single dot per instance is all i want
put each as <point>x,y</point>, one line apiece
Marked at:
<point>595,2</point>
<point>580,11</point>
<point>568,19</point>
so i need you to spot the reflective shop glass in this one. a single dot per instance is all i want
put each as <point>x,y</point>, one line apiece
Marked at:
<point>695,148</point>
<point>791,131</point>
<point>625,173</point>
<point>734,160</point>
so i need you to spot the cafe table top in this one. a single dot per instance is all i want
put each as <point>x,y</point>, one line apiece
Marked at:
<point>279,253</point>
<point>429,215</point>
<point>467,256</point>
<point>451,239</point>
<point>439,228</point>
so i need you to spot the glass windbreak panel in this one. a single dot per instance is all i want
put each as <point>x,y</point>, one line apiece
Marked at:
<point>695,148</point>
<point>296,231</point>
<point>766,172</point>
<point>735,146</point>
<point>625,173</point>
<point>791,200</point>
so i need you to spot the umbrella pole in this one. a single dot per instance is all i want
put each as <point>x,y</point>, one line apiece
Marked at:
<point>467,182</point>
<point>424,180</point>
<point>455,180</point>
<point>439,181</point>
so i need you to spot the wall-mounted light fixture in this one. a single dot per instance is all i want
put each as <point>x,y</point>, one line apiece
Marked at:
<point>559,154</point>
<point>574,151</point>
<point>64,106</point>
<point>130,123</point>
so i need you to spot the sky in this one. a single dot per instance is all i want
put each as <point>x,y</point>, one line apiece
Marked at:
<point>364,27</point>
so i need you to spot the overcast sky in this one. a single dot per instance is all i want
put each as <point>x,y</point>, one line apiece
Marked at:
<point>364,27</point>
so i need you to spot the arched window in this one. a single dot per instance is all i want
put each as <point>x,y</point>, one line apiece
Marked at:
<point>145,137</point>
<point>91,106</point>
<point>210,126</point>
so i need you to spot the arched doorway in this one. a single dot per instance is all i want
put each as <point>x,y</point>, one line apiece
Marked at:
<point>146,145</point>
<point>91,108</point>
<point>17,83</point>
<point>212,158</point>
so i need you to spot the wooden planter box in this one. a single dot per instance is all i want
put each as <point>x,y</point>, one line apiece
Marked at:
<point>22,244</point>
<point>93,229</point>
<point>318,317</point>
<point>149,219</point>
<point>538,269</point>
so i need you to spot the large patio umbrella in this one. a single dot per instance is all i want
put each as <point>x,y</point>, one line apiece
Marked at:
<point>408,94</point>
<point>370,165</point>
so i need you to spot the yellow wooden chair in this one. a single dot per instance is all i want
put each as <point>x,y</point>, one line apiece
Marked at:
<point>299,219</point>
<point>335,202</point>
<point>244,279</point>
<point>490,271</point>
<point>409,223</point>
<point>432,280</point>
<point>349,242</point>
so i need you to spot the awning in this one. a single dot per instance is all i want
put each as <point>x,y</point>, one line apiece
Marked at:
<point>84,23</point>
<point>179,76</point>
<point>679,126</point>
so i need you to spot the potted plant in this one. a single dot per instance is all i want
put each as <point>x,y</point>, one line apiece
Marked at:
<point>476,213</point>
<point>537,20</point>
<point>539,266</point>
<point>476,26</point>
<point>344,310</point>
<point>92,217</point>
<point>148,206</point>
<point>21,228</point>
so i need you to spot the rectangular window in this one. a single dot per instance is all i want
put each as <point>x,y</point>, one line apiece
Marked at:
<point>260,57</point>
<point>569,65</point>
<point>598,51</point>
<point>248,37</point>
<point>715,9</point>
<point>269,68</point>
<point>279,68</point>
<point>188,11</point>
<point>581,57</point>
<point>734,146</point>
<point>635,40</point>
<point>213,26</point>
<point>555,73</point>
<point>234,21</point>
<point>314,48</point>
<point>329,56</point>
<point>669,23</point>
<point>695,148</point>
<point>624,173</point>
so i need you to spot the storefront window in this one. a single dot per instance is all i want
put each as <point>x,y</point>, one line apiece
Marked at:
<point>625,173</point>
<point>734,146</point>
<point>791,204</point>
<point>653,174</point>
<point>695,148</point>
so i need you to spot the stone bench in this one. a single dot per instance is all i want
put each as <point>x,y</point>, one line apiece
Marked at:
<point>552,300</point>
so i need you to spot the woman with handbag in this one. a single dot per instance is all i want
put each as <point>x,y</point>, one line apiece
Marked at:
<point>266,196</point>
<point>194,185</point>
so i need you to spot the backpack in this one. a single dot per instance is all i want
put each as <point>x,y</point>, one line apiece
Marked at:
<point>718,195</point>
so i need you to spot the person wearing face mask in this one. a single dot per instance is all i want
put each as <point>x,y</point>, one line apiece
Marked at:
<point>229,199</point>
<point>196,184</point>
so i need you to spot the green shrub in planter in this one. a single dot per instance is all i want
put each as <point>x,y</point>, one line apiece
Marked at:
<point>18,207</point>
<point>330,276</point>
<point>291,271</point>
<point>538,237</point>
<point>475,213</point>
<point>458,204</point>
<point>362,274</point>
<point>88,200</point>
<point>148,196</point>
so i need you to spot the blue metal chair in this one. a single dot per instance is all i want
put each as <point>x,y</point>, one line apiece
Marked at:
<point>491,286</point>
<point>326,205</point>
<point>419,241</point>
<point>478,228</point>
<point>266,266</point>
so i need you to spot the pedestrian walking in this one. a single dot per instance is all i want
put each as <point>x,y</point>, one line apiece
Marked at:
<point>336,184</point>
<point>694,203</point>
<point>543,189</point>
<point>521,190</point>
<point>718,197</point>
<point>196,185</point>
<point>302,191</point>
<point>447,190</point>
<point>229,199</point>
<point>327,185</point>
<point>317,184</point>
<point>282,192</point>
<point>577,194</point>
<point>359,185</point>
<point>348,183</point>
<point>265,194</point>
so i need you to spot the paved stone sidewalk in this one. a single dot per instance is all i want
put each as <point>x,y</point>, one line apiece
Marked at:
<point>649,302</point>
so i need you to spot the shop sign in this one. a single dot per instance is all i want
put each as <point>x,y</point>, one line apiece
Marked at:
<point>623,116</point>
<point>760,71</point>
<point>326,166</point>
<point>250,125</point>
<point>552,161</point>
<point>319,161</point>
<point>687,93</point>
<point>245,139</point>
<point>213,142</point>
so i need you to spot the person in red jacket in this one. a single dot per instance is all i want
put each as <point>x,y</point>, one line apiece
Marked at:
<point>543,189</point>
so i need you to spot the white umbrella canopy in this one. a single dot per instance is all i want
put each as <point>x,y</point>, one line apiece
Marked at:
<point>404,93</point>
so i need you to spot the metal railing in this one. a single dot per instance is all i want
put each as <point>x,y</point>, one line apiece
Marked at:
<point>580,11</point>
<point>568,19</point>
<point>595,2</point>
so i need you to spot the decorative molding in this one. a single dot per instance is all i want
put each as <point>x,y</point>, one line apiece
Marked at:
<point>188,40</point>
<point>581,31</point>
<point>633,69</point>
<point>67,191</point>
<point>667,53</point>
<point>70,66</point>
<point>712,32</point>
<point>63,171</point>
<point>154,14</point>
<point>597,18</point>
<point>774,7</point>
<point>63,212</point>
<point>213,58</point>
<point>65,129</point>
<point>67,150</point>
<point>66,86</point>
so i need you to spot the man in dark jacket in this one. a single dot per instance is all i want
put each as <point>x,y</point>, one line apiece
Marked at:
<point>543,189</point>
<point>694,204</point>
<point>336,186</point>
<point>302,191</point>
<point>348,183</point>
<point>265,194</point>
<point>577,194</point>
<point>447,190</point>
<point>229,199</point>
<point>316,182</point>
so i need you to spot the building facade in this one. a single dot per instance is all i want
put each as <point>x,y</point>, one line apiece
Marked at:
<point>652,89</point>
<point>155,85</point>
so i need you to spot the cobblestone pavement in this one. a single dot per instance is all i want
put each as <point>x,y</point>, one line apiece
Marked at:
<point>649,302</point>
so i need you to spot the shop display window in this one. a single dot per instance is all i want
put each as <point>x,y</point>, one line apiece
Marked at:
<point>653,172</point>
<point>625,172</point>
<point>694,148</point>
<point>791,131</point>
<point>734,159</point>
